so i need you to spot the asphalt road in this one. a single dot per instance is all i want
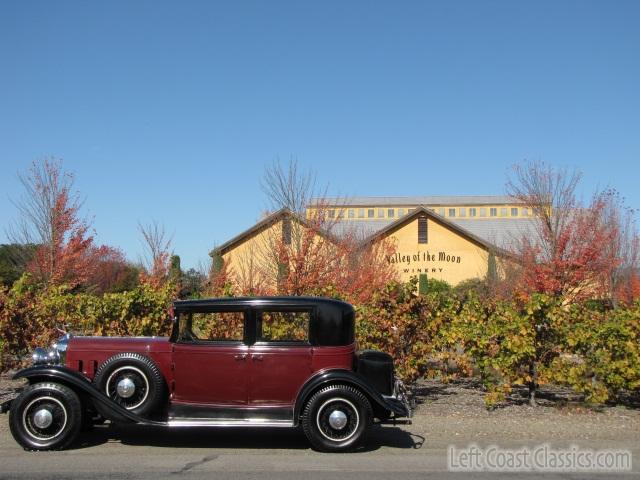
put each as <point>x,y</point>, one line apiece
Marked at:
<point>405,452</point>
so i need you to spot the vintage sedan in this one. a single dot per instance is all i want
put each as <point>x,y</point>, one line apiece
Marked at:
<point>265,361</point>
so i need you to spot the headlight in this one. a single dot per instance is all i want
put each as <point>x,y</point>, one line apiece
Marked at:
<point>55,355</point>
<point>40,356</point>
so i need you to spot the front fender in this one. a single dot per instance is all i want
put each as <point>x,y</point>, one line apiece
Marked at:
<point>82,385</point>
<point>348,377</point>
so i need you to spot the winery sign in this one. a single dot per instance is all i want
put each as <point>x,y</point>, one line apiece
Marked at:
<point>415,262</point>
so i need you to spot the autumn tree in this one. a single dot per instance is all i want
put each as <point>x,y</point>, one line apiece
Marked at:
<point>157,253</point>
<point>302,253</point>
<point>574,251</point>
<point>568,253</point>
<point>368,270</point>
<point>112,273</point>
<point>219,282</point>
<point>624,282</point>
<point>287,259</point>
<point>290,186</point>
<point>49,218</point>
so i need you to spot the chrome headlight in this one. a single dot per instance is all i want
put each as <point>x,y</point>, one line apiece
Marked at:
<point>40,356</point>
<point>55,355</point>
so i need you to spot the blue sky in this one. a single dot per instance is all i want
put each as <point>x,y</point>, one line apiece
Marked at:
<point>172,110</point>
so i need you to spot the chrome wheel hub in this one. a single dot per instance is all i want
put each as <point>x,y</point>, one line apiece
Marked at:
<point>42,418</point>
<point>338,419</point>
<point>126,388</point>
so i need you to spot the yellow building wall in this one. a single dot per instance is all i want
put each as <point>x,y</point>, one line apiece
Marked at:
<point>251,261</point>
<point>447,256</point>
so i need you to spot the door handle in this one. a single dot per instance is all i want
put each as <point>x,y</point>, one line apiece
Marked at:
<point>257,358</point>
<point>240,356</point>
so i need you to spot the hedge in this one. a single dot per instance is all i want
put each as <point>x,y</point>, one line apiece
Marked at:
<point>438,333</point>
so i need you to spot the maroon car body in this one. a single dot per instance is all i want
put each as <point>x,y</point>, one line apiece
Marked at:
<point>267,361</point>
<point>268,375</point>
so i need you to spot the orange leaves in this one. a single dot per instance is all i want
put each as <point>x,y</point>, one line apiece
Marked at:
<point>315,261</point>
<point>69,258</point>
<point>158,275</point>
<point>628,290</point>
<point>50,219</point>
<point>574,251</point>
<point>575,260</point>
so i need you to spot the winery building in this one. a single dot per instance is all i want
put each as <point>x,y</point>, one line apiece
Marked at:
<point>448,238</point>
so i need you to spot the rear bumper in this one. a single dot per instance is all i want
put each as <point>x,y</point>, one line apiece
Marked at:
<point>399,403</point>
<point>399,408</point>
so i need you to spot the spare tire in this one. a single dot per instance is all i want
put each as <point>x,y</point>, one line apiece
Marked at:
<point>133,381</point>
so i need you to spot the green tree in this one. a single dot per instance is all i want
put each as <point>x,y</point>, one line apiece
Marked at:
<point>175,272</point>
<point>13,261</point>
<point>192,284</point>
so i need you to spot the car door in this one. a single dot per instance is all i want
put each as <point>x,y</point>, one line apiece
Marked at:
<point>210,358</point>
<point>280,357</point>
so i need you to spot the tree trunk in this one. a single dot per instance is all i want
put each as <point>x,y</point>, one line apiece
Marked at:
<point>533,373</point>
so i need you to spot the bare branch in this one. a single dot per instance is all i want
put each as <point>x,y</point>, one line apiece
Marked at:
<point>44,184</point>
<point>156,243</point>
<point>550,193</point>
<point>290,186</point>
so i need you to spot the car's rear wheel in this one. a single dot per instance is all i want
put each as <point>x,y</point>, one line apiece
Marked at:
<point>133,381</point>
<point>336,418</point>
<point>45,416</point>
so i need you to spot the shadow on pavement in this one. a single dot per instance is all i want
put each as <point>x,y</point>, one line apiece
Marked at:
<point>248,438</point>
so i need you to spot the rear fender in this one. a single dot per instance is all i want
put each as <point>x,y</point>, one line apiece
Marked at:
<point>347,377</point>
<point>82,386</point>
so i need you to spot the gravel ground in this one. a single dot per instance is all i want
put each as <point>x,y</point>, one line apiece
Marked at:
<point>457,410</point>
<point>9,388</point>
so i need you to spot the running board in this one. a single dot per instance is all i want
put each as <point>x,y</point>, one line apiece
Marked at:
<point>227,422</point>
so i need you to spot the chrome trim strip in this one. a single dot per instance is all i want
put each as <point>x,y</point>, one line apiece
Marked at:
<point>254,422</point>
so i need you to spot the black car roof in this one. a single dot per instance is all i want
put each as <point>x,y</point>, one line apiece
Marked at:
<point>332,324</point>
<point>262,301</point>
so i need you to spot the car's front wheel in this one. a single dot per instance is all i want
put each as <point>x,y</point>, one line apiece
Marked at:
<point>336,418</point>
<point>45,416</point>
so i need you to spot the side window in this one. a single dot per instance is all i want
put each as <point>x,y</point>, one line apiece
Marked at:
<point>212,326</point>
<point>283,326</point>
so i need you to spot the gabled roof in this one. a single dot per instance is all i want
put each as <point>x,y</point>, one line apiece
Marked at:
<point>375,230</point>
<point>263,224</point>
<point>422,211</point>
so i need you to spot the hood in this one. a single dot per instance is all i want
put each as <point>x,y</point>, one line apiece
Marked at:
<point>122,344</point>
